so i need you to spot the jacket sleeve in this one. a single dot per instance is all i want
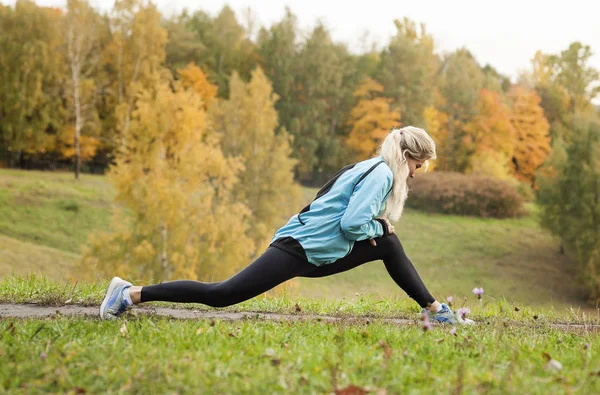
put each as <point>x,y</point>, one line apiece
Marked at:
<point>358,222</point>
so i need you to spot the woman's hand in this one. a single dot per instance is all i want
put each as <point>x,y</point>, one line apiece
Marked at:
<point>390,229</point>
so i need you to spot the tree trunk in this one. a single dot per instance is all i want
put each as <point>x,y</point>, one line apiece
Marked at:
<point>163,259</point>
<point>75,73</point>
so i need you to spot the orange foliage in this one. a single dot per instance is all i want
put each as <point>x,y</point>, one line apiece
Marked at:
<point>532,138</point>
<point>193,76</point>
<point>371,119</point>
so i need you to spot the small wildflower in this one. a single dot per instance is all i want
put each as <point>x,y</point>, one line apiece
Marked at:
<point>463,312</point>
<point>405,353</point>
<point>478,292</point>
<point>426,324</point>
<point>43,356</point>
<point>449,299</point>
<point>586,346</point>
<point>453,331</point>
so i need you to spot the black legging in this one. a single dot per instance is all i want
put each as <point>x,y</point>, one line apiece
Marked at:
<point>275,266</point>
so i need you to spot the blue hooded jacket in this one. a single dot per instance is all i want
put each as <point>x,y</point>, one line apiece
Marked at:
<point>342,213</point>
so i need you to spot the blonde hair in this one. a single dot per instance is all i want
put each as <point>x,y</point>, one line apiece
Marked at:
<point>411,141</point>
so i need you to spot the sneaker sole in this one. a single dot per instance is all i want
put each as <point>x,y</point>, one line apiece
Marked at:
<point>111,287</point>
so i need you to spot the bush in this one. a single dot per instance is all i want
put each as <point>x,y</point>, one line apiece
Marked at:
<point>69,205</point>
<point>456,193</point>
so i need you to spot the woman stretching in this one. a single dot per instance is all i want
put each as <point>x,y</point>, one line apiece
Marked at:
<point>346,225</point>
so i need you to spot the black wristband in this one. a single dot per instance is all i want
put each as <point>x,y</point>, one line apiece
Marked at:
<point>386,231</point>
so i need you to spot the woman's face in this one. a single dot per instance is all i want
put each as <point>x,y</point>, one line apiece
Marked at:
<point>413,165</point>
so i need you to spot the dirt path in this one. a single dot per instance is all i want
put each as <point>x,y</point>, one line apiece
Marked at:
<point>36,311</point>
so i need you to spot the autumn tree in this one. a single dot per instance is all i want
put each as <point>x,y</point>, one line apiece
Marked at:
<point>460,81</point>
<point>371,119</point>
<point>491,136</point>
<point>192,76</point>
<point>83,55</point>
<point>247,122</point>
<point>436,124</point>
<point>178,217</point>
<point>135,55</point>
<point>31,77</point>
<point>531,132</point>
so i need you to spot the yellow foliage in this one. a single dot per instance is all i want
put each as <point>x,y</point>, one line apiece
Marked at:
<point>247,122</point>
<point>371,119</point>
<point>193,76</point>
<point>181,220</point>
<point>491,163</point>
<point>436,124</point>
<point>65,144</point>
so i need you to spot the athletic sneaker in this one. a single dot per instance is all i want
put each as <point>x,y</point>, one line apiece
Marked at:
<point>445,315</point>
<point>115,303</point>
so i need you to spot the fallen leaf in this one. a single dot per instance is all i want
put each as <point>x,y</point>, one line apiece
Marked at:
<point>351,390</point>
<point>68,300</point>
<point>298,309</point>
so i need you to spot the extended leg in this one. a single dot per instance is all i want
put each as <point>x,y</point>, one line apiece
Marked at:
<point>272,268</point>
<point>390,250</point>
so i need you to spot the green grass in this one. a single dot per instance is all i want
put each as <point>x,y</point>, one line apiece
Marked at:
<point>508,258</point>
<point>20,258</point>
<point>53,209</point>
<point>161,355</point>
<point>44,291</point>
<point>506,352</point>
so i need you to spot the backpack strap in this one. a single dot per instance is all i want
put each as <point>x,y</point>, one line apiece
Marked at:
<point>330,183</point>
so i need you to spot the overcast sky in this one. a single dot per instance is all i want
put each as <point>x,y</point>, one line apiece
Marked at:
<point>504,33</point>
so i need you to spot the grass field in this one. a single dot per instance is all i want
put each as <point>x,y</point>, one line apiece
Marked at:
<point>45,218</point>
<point>516,346</point>
<point>158,355</point>
<point>510,350</point>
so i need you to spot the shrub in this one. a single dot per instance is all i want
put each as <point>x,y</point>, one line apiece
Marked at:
<point>456,193</point>
<point>69,205</point>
